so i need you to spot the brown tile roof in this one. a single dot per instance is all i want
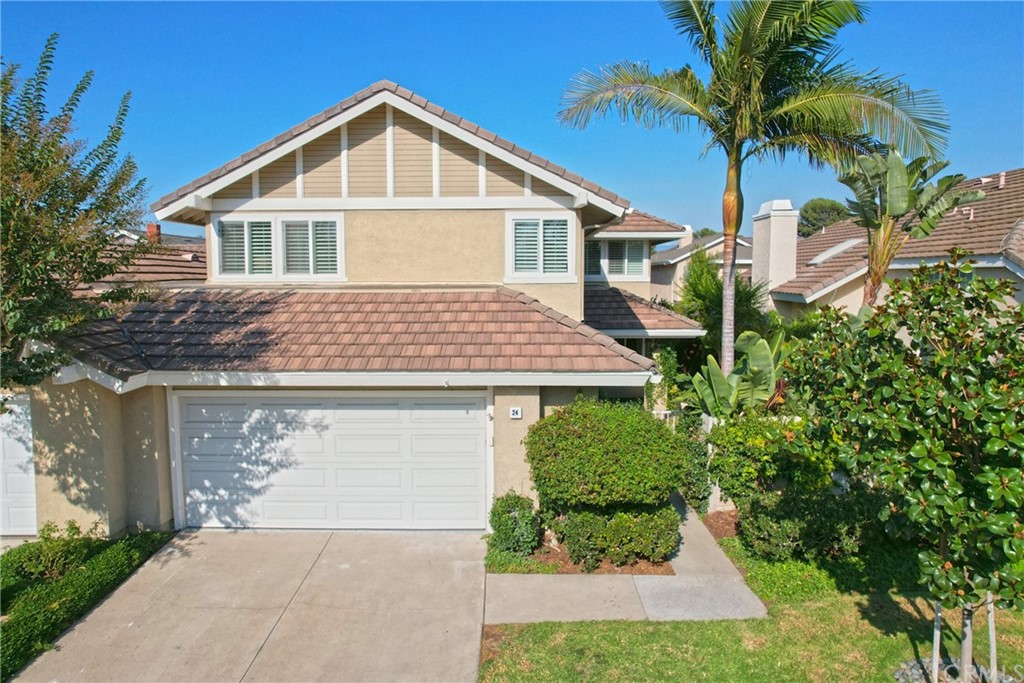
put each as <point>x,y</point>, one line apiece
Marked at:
<point>639,221</point>
<point>744,250</point>
<point>609,308</point>
<point>985,227</point>
<point>271,331</point>
<point>170,264</point>
<point>366,93</point>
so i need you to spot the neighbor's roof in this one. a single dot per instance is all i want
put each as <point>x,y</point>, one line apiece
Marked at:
<point>366,93</point>
<point>670,257</point>
<point>640,222</point>
<point>988,227</point>
<point>291,331</point>
<point>170,264</point>
<point>612,309</point>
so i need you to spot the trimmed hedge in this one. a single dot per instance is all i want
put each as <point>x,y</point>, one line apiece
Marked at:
<point>623,537</point>
<point>515,525</point>
<point>43,611</point>
<point>598,454</point>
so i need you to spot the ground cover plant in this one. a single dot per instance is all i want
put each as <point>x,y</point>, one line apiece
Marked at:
<point>49,584</point>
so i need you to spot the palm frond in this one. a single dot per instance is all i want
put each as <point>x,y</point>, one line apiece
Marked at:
<point>671,98</point>
<point>695,20</point>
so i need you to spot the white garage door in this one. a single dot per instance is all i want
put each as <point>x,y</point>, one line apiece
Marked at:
<point>341,462</point>
<point>18,487</point>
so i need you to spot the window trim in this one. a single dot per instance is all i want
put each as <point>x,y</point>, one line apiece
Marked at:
<point>605,276</point>
<point>512,277</point>
<point>277,274</point>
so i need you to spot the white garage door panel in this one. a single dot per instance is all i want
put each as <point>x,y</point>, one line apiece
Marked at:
<point>17,470</point>
<point>337,462</point>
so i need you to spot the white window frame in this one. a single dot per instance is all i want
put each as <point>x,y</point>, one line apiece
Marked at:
<point>277,276</point>
<point>605,276</point>
<point>511,276</point>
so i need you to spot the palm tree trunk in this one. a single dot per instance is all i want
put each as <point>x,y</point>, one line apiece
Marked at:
<point>732,216</point>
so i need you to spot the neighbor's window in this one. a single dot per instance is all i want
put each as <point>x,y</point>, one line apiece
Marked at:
<point>592,258</point>
<point>626,258</point>
<point>246,247</point>
<point>310,247</point>
<point>541,246</point>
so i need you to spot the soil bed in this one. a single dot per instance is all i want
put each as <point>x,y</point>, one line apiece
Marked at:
<point>721,524</point>
<point>557,556</point>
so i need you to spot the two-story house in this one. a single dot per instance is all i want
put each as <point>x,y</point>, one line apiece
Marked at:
<point>391,297</point>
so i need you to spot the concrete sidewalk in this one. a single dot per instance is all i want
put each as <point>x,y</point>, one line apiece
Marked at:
<point>706,587</point>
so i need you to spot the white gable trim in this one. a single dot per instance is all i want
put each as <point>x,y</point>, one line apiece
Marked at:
<point>204,192</point>
<point>800,298</point>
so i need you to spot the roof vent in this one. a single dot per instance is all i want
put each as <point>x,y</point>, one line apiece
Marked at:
<point>190,257</point>
<point>833,251</point>
<point>1002,179</point>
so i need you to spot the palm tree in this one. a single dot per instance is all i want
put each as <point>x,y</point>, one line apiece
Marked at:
<point>895,201</point>
<point>776,87</point>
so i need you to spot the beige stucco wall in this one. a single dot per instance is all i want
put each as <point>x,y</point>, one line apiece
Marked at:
<point>424,246</point>
<point>511,470</point>
<point>664,282</point>
<point>641,289</point>
<point>552,398</point>
<point>147,458</point>
<point>79,459</point>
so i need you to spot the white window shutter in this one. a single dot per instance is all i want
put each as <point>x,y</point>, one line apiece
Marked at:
<point>296,247</point>
<point>526,240</point>
<point>325,247</point>
<point>556,246</point>
<point>616,258</point>
<point>232,247</point>
<point>635,258</point>
<point>592,258</point>
<point>261,250</point>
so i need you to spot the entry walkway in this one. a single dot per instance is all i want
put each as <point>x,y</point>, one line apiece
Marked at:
<point>706,587</point>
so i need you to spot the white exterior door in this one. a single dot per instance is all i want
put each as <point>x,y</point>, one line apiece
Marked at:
<point>322,461</point>
<point>18,489</point>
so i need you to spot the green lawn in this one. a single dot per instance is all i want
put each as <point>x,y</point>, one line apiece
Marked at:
<point>825,624</point>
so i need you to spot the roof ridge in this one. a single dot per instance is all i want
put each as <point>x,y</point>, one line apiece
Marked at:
<point>421,102</point>
<point>575,325</point>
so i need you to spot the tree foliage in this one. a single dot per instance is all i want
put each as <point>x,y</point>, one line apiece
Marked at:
<point>819,213</point>
<point>777,87</point>
<point>926,397</point>
<point>895,201</point>
<point>61,208</point>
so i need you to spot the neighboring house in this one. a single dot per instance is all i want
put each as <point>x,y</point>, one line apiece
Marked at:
<point>828,267</point>
<point>390,297</point>
<point>668,267</point>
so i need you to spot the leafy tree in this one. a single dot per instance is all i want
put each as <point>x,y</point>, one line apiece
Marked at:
<point>895,201</point>
<point>776,87</point>
<point>924,396</point>
<point>700,298</point>
<point>820,213</point>
<point>61,207</point>
<point>703,232</point>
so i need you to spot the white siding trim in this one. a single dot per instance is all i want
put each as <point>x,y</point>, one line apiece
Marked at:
<point>364,203</point>
<point>177,482</point>
<point>482,172</point>
<point>344,161</point>
<point>300,171</point>
<point>527,184</point>
<point>489,445</point>
<point>389,127</point>
<point>435,152</point>
<point>633,333</point>
<point>255,184</point>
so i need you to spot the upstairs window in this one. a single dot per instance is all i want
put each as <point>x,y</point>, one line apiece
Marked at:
<point>292,249</point>
<point>541,249</point>
<point>592,259</point>
<point>626,258</point>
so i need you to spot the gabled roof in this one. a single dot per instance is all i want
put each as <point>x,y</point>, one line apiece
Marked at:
<point>634,224</point>
<point>670,257</point>
<point>378,93</point>
<point>988,227</point>
<point>622,314</point>
<point>331,331</point>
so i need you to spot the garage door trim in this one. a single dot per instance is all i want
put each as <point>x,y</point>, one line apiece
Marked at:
<point>178,488</point>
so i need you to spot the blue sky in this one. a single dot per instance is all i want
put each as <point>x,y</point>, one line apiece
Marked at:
<point>212,80</point>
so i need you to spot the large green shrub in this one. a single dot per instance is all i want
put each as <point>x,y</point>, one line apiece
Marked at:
<point>582,532</point>
<point>43,611</point>
<point>695,477</point>
<point>809,524</point>
<point>601,454</point>
<point>514,524</point>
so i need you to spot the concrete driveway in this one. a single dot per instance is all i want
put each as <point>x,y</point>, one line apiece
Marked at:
<point>286,606</point>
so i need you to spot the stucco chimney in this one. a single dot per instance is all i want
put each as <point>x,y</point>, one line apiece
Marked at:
<point>153,232</point>
<point>775,235</point>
